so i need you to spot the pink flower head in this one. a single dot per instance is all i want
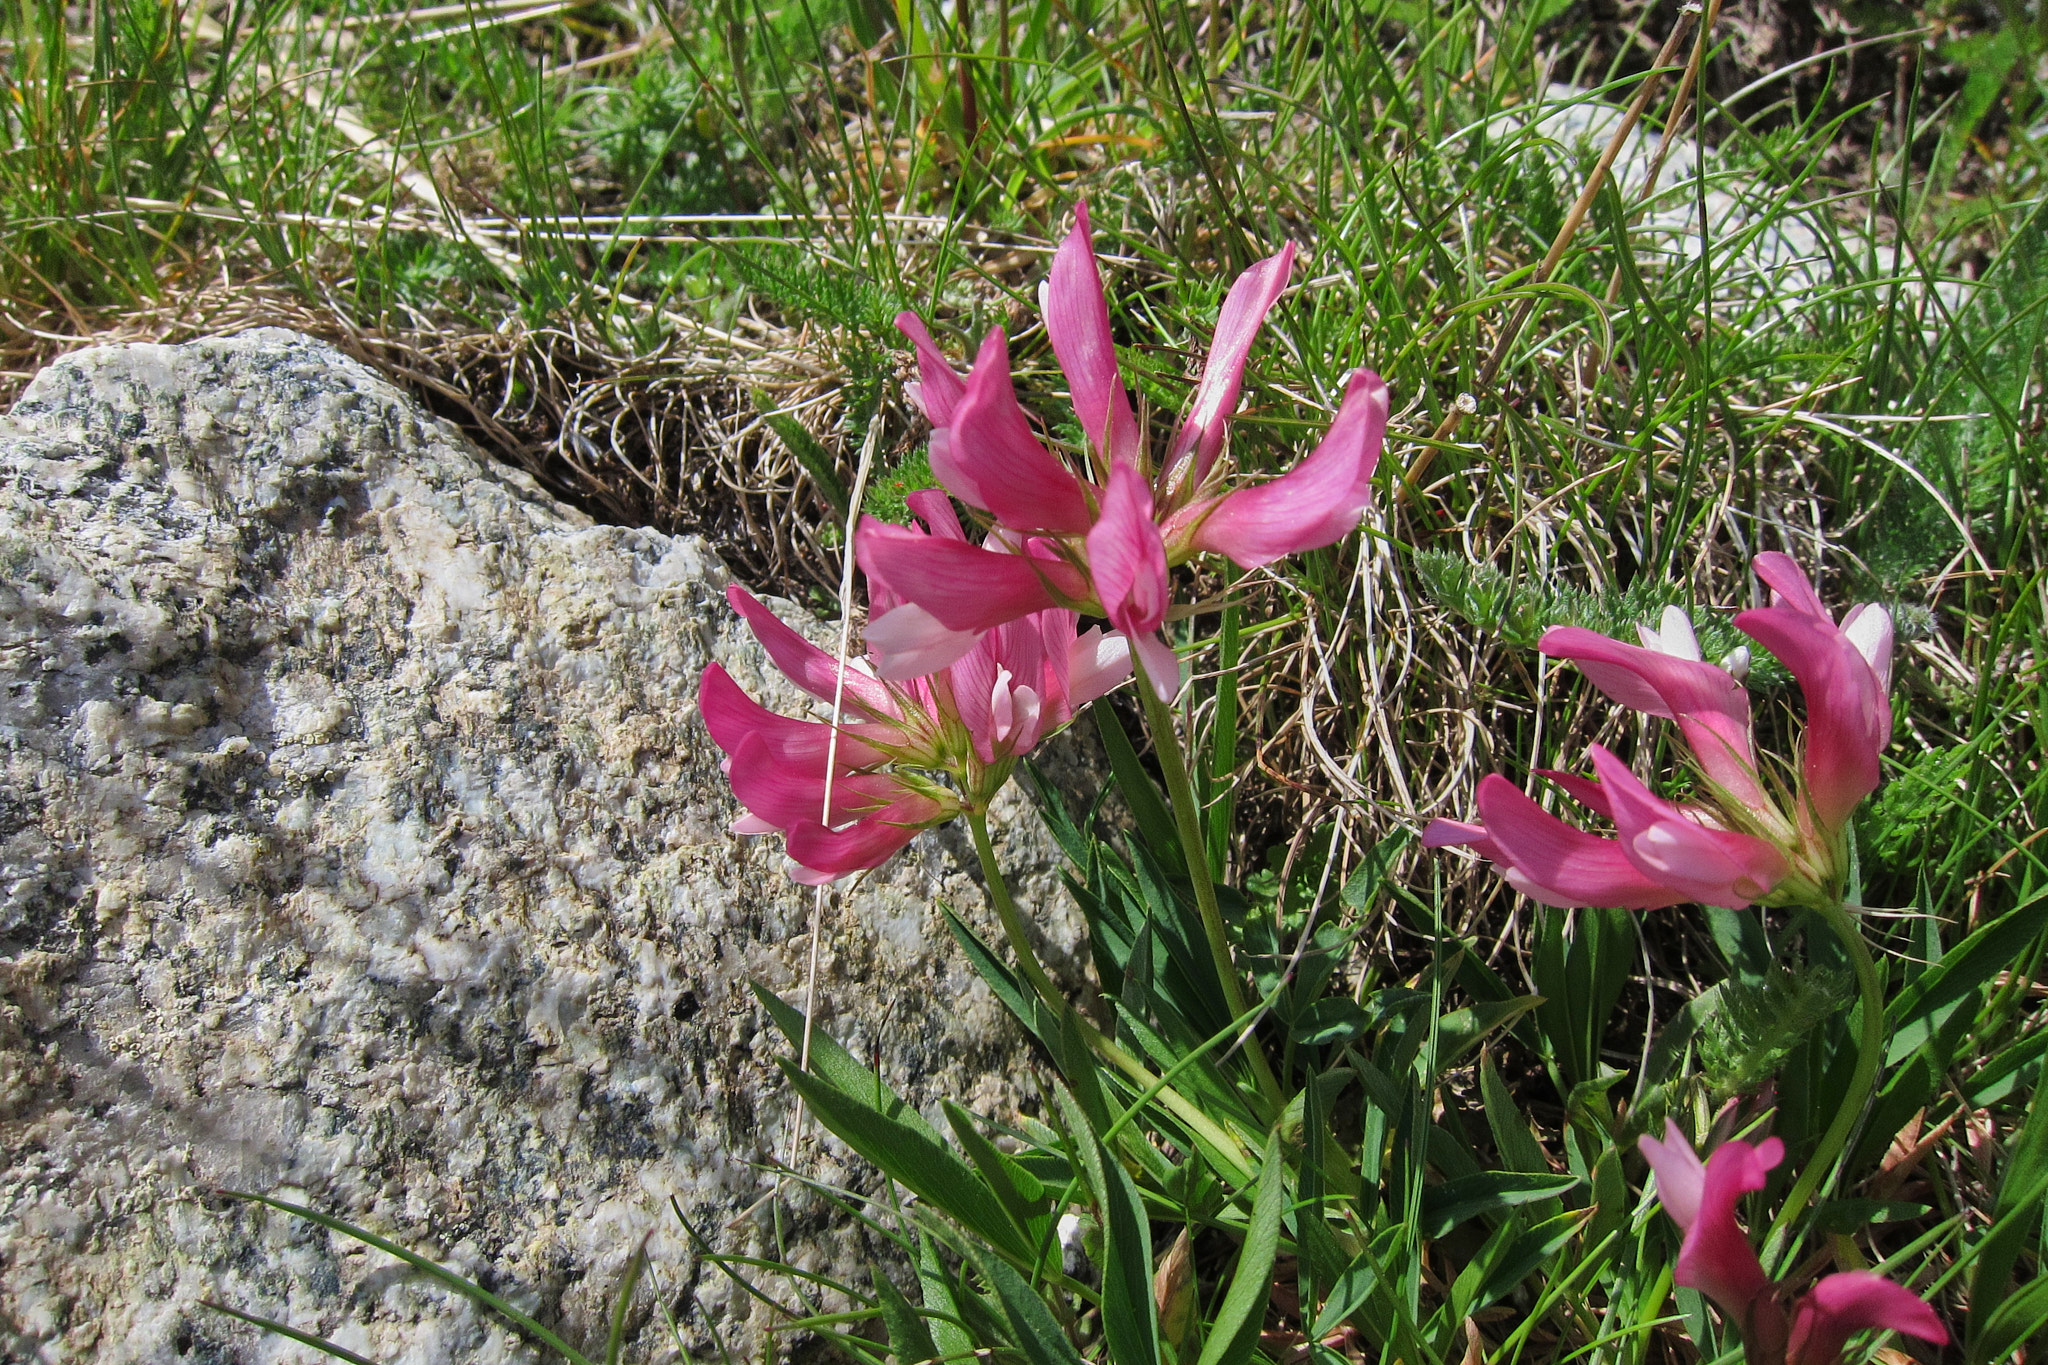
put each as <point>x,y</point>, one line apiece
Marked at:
<point>1853,1301</point>
<point>1104,540</point>
<point>1663,853</point>
<point>908,753</point>
<point>1736,845</point>
<point>1716,1258</point>
<point>1845,672</point>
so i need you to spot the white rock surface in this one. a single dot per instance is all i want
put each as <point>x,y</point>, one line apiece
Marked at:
<point>1771,253</point>
<point>359,845</point>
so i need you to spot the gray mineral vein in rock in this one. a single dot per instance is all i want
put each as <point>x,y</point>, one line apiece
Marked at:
<point>360,846</point>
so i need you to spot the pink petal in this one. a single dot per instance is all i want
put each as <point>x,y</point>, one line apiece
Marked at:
<point>1449,833</point>
<point>966,587</point>
<point>1711,866</point>
<point>1127,559</point>
<point>1551,862</point>
<point>806,665</point>
<point>935,510</point>
<point>1316,503</point>
<point>909,642</point>
<point>1848,716</point>
<point>1790,587</point>
<point>785,794</point>
<point>968,688</point>
<point>1244,309</point>
<point>1716,1257</point>
<point>952,477</point>
<point>731,715</point>
<point>1843,1304</point>
<point>1013,477</point>
<point>1681,1175</point>
<point>940,386</point>
<point>1586,791</point>
<point>1098,662</point>
<point>1077,320</point>
<point>1711,708</point>
<point>825,855</point>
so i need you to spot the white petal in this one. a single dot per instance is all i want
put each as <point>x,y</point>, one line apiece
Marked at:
<point>1001,713</point>
<point>1869,627</point>
<point>1162,665</point>
<point>1097,662</point>
<point>1030,716</point>
<point>1673,635</point>
<point>909,642</point>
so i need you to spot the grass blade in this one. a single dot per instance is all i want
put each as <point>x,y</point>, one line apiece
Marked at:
<point>469,1290</point>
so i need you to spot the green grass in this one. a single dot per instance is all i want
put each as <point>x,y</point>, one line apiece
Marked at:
<point>649,228</point>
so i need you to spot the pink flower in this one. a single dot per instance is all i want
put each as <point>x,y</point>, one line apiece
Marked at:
<point>1665,854</point>
<point>1845,672</point>
<point>1666,677</point>
<point>1736,845</point>
<point>1716,1258</point>
<point>1104,541</point>
<point>908,754</point>
<point>1851,1302</point>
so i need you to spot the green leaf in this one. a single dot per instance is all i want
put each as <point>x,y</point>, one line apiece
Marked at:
<point>941,1303</point>
<point>2007,1326</point>
<point>916,1158</point>
<point>837,1067</point>
<point>2015,1220</point>
<point>2014,1067</point>
<point>1147,807</point>
<point>1236,1328</point>
<point>1373,870</point>
<point>1518,1146</point>
<point>1222,768</point>
<point>622,1305</point>
<point>1519,1255</point>
<point>1462,1030</point>
<point>1740,936</point>
<point>816,460</point>
<point>1451,1203</point>
<point>910,1340</point>
<point>1347,1294</point>
<point>1038,1333</point>
<point>1021,1193</point>
<point>1922,1007</point>
<point>1130,1316</point>
<point>1019,999</point>
<point>1580,977</point>
<point>1333,1019</point>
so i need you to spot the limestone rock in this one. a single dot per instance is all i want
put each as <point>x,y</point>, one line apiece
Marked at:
<point>359,845</point>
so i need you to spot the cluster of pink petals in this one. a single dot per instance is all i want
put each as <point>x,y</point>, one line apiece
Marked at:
<point>1103,543</point>
<point>1717,1259</point>
<point>1739,845</point>
<point>908,753</point>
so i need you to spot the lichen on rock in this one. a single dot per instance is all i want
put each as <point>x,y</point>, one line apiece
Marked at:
<point>359,845</point>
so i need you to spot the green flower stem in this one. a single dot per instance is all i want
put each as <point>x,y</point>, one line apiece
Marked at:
<point>1232,1152</point>
<point>1869,1052</point>
<point>1006,911</point>
<point>1187,816</point>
